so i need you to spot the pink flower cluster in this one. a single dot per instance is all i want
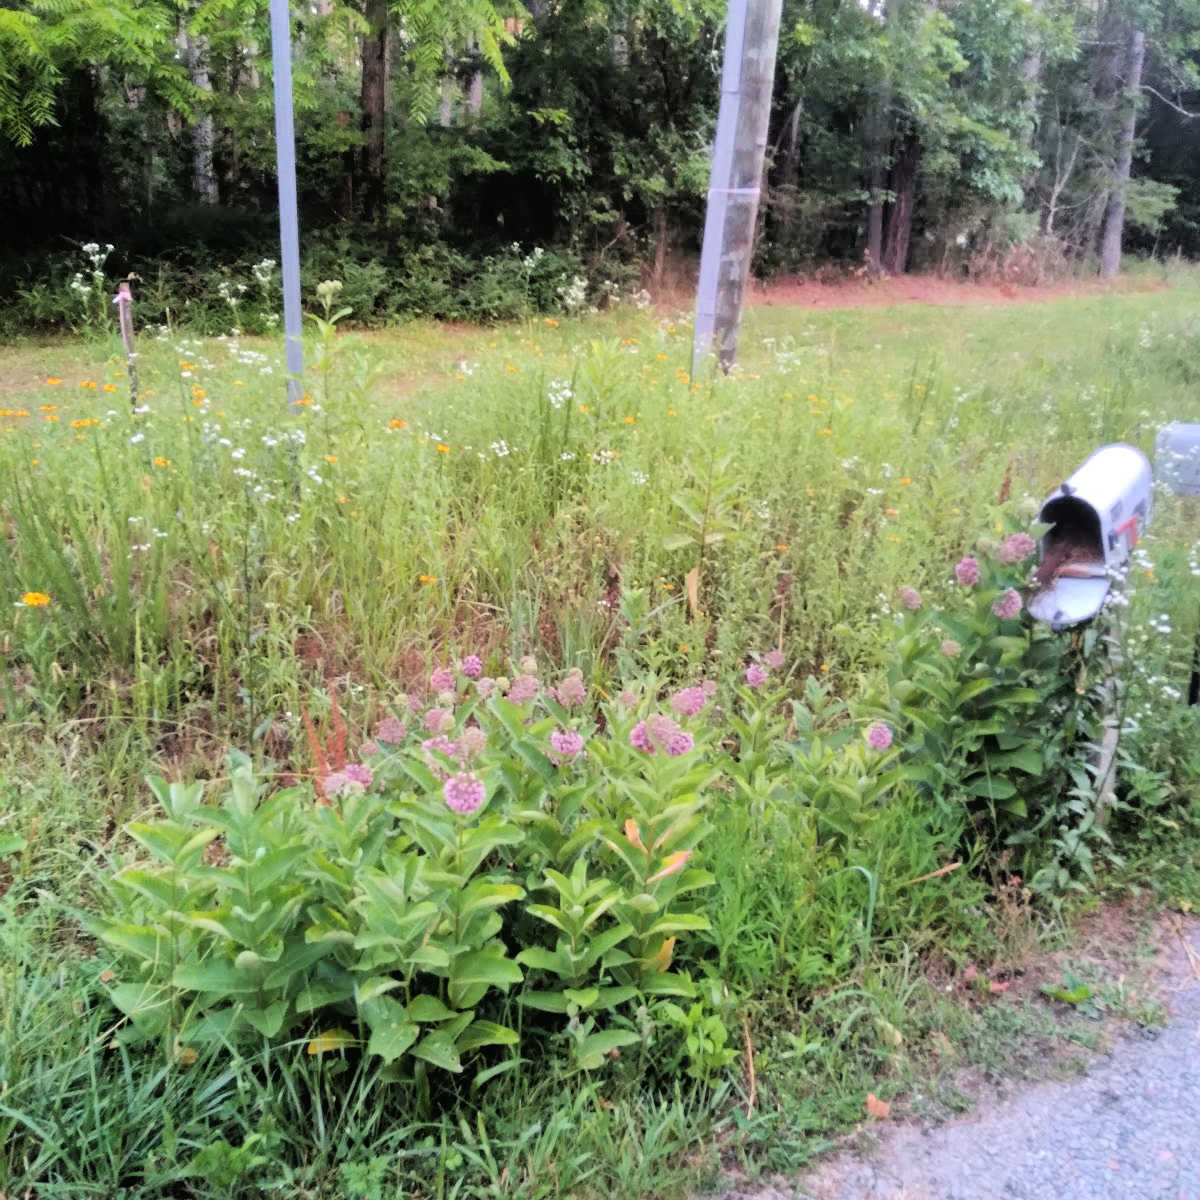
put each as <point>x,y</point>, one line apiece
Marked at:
<point>879,736</point>
<point>464,793</point>
<point>523,689</point>
<point>690,701</point>
<point>660,732</point>
<point>442,680</point>
<point>565,745</point>
<point>352,777</point>
<point>572,692</point>
<point>391,731</point>
<point>1016,548</point>
<point>471,666</point>
<point>967,571</point>
<point>910,598</point>
<point>1008,606</point>
<point>756,675</point>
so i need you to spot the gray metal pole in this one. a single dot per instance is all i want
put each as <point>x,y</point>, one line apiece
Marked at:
<point>289,223</point>
<point>747,76</point>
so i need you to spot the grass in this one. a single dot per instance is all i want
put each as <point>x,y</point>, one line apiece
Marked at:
<point>213,564</point>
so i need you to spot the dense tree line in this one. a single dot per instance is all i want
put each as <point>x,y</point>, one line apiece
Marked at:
<point>975,136</point>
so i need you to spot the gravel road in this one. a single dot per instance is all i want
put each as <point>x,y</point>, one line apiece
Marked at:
<point>1127,1130</point>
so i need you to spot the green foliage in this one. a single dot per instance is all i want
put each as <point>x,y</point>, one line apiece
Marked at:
<point>270,916</point>
<point>997,714</point>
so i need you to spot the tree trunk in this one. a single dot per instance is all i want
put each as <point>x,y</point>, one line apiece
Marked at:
<point>374,108</point>
<point>879,122</point>
<point>898,231</point>
<point>661,245</point>
<point>1114,214</point>
<point>204,178</point>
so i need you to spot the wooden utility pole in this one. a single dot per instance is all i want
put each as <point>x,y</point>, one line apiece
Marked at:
<point>751,38</point>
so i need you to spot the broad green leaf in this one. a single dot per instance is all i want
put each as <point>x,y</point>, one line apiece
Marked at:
<point>553,1002</point>
<point>1026,759</point>
<point>268,1021</point>
<point>142,941</point>
<point>667,983</point>
<point>439,1049</point>
<point>970,690</point>
<point>319,993</point>
<point>222,977</point>
<point>11,844</point>
<point>391,1039</point>
<point>378,985</point>
<point>596,1048</point>
<point>428,1008</point>
<point>582,998</point>
<point>995,787</point>
<point>543,960</point>
<point>485,1033</point>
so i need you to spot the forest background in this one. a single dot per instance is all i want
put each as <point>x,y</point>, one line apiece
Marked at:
<point>479,160</point>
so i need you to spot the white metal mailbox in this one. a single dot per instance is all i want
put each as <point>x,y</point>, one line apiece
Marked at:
<point>1177,458</point>
<point>1095,519</point>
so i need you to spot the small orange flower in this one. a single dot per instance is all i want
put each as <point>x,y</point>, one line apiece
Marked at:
<point>84,422</point>
<point>110,387</point>
<point>331,458</point>
<point>397,423</point>
<point>892,512</point>
<point>904,479</point>
<point>198,393</point>
<point>661,357</point>
<point>826,432</point>
<point>672,413</point>
<point>53,381</point>
<point>343,499</point>
<point>782,547</point>
<point>238,383</point>
<point>442,448</point>
<point>551,322</point>
<point>159,461</point>
<point>50,417</point>
<point>585,408</point>
<point>630,420</point>
<point>47,407</point>
<point>87,383</point>
<point>35,599</point>
<point>511,369</point>
<point>427,579</point>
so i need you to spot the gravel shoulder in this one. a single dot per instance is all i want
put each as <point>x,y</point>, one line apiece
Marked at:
<point>1127,1129</point>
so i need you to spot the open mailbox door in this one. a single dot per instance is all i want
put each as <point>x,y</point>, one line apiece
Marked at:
<point>1095,519</point>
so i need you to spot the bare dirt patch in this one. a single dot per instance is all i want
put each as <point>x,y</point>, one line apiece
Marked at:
<point>854,292</point>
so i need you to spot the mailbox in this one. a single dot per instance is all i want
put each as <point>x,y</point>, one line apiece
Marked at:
<point>1177,458</point>
<point>1095,519</point>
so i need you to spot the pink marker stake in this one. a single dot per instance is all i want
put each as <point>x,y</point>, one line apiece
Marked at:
<point>124,302</point>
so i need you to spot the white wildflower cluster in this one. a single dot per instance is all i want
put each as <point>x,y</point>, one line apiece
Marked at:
<point>231,293</point>
<point>82,290</point>
<point>97,254</point>
<point>264,272</point>
<point>574,294</point>
<point>532,259</point>
<point>500,448</point>
<point>558,392</point>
